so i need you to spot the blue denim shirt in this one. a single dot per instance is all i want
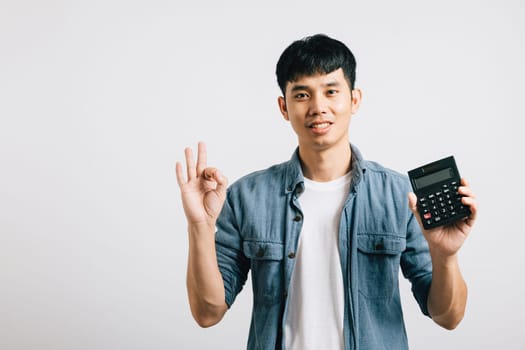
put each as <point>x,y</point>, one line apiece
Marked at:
<point>258,230</point>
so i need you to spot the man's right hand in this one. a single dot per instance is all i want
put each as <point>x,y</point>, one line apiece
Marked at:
<point>203,192</point>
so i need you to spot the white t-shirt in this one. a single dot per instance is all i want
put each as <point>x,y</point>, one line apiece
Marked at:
<point>316,297</point>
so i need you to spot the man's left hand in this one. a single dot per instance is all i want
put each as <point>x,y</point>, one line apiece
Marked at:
<point>446,240</point>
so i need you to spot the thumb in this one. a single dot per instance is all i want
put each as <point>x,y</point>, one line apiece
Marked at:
<point>215,175</point>
<point>222,183</point>
<point>412,202</point>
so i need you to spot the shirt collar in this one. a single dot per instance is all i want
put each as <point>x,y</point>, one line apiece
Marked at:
<point>295,178</point>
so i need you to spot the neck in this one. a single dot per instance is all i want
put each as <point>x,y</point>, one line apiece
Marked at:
<point>326,165</point>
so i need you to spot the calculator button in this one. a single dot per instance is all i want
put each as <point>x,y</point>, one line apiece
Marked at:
<point>442,205</point>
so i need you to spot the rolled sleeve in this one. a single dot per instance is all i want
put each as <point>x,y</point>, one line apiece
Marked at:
<point>233,264</point>
<point>416,264</point>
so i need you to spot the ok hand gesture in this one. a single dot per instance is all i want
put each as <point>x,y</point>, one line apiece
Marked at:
<point>203,192</point>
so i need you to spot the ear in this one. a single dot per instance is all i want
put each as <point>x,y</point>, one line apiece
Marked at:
<point>357,96</point>
<point>282,107</point>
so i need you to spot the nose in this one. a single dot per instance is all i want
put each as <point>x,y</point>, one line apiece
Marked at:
<point>318,105</point>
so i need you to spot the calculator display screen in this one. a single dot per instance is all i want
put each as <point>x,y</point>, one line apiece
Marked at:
<point>433,178</point>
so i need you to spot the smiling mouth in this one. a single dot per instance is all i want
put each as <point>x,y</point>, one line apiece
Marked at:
<point>321,125</point>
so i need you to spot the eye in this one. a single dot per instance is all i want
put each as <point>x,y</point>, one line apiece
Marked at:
<point>332,92</point>
<point>300,96</point>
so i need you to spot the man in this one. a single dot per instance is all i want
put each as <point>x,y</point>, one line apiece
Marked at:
<point>323,234</point>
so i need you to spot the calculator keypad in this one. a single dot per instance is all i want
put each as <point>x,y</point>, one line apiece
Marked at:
<point>442,205</point>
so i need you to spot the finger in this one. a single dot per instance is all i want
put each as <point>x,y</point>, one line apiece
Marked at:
<point>201,158</point>
<point>473,206</point>
<point>465,189</point>
<point>190,163</point>
<point>468,200</point>
<point>178,171</point>
<point>213,174</point>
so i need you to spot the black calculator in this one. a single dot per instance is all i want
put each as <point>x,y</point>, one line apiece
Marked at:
<point>436,187</point>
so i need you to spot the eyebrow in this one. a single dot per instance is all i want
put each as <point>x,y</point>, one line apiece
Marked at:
<point>306,87</point>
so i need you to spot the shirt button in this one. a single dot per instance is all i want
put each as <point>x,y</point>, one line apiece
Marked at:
<point>298,217</point>
<point>291,255</point>
<point>260,253</point>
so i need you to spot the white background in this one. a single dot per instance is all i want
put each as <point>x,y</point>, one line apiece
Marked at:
<point>99,98</point>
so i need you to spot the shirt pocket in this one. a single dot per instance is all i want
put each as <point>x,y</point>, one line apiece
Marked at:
<point>378,264</point>
<point>266,262</point>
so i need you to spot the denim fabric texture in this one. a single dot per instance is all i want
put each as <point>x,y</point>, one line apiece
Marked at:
<point>258,231</point>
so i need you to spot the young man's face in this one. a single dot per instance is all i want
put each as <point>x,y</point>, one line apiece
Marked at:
<point>319,107</point>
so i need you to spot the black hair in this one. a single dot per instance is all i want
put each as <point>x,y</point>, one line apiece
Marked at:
<point>313,55</point>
